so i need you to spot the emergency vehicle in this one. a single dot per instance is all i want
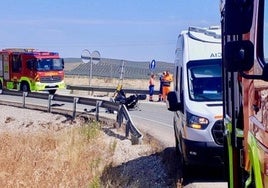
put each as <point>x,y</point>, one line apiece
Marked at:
<point>31,70</point>
<point>197,97</point>
<point>245,86</point>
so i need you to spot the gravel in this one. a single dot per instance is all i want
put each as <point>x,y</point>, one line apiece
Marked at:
<point>144,165</point>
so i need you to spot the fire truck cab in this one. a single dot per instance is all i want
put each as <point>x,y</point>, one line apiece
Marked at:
<point>245,91</point>
<point>31,70</point>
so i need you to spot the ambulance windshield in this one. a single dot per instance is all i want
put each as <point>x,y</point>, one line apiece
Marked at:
<point>205,80</point>
<point>49,64</point>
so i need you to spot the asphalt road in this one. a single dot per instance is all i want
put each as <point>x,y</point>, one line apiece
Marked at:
<point>155,119</point>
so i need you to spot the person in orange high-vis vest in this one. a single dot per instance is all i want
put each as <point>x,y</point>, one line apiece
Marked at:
<point>167,79</point>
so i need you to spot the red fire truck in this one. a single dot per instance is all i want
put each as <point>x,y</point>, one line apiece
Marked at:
<point>245,86</point>
<point>31,70</point>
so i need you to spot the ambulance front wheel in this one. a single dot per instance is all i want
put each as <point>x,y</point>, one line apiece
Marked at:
<point>24,87</point>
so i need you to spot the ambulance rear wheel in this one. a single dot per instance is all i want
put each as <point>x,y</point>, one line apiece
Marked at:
<point>24,87</point>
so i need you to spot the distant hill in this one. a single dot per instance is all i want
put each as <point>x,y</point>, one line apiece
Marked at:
<point>112,68</point>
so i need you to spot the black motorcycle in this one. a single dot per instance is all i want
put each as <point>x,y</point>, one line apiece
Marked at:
<point>130,102</point>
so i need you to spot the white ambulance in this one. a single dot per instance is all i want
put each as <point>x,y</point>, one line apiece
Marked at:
<point>197,97</point>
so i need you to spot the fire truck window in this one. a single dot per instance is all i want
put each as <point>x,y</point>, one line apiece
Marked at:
<point>49,64</point>
<point>57,64</point>
<point>265,40</point>
<point>44,64</point>
<point>16,63</point>
<point>30,64</point>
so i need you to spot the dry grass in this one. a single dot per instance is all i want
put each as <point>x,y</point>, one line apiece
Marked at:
<point>69,158</point>
<point>73,156</point>
<point>110,82</point>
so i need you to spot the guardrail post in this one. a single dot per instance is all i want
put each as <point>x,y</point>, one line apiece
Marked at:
<point>74,106</point>
<point>24,95</point>
<point>98,104</point>
<point>135,140</point>
<point>119,116</point>
<point>127,128</point>
<point>50,97</point>
<point>136,135</point>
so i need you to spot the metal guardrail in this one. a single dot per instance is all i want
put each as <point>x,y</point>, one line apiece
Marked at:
<point>108,89</point>
<point>121,110</point>
<point>130,127</point>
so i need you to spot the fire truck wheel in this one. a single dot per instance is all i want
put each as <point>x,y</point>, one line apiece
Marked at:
<point>24,87</point>
<point>52,92</point>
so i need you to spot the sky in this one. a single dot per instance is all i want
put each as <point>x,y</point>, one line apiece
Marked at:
<point>136,30</point>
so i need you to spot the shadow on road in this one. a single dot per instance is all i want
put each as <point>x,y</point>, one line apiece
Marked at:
<point>157,170</point>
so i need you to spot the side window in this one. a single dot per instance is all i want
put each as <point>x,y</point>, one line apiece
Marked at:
<point>30,64</point>
<point>16,63</point>
<point>181,89</point>
<point>176,78</point>
<point>265,32</point>
<point>181,80</point>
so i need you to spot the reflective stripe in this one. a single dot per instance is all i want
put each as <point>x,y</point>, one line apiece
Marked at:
<point>166,83</point>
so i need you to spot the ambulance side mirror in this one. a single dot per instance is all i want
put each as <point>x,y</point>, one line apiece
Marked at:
<point>173,102</point>
<point>239,56</point>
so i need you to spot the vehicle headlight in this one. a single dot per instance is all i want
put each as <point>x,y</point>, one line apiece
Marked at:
<point>196,122</point>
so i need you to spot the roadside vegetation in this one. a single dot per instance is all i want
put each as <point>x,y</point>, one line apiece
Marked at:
<point>81,153</point>
<point>68,158</point>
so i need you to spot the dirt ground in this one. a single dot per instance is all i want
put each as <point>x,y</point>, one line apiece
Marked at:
<point>40,149</point>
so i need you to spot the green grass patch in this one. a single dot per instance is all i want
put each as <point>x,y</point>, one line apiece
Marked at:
<point>91,130</point>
